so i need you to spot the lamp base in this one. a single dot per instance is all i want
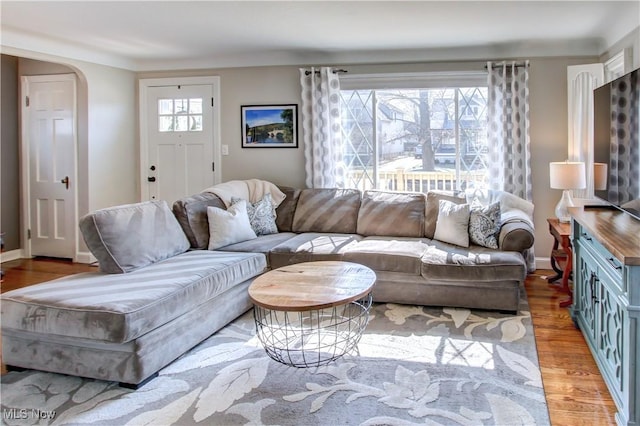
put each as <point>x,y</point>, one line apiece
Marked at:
<point>562,208</point>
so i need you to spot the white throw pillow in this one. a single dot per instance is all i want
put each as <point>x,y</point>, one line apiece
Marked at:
<point>229,226</point>
<point>452,225</point>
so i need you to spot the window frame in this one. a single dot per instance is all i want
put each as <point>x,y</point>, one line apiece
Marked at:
<point>413,80</point>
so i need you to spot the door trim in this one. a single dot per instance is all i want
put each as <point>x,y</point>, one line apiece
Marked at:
<point>144,85</point>
<point>25,163</point>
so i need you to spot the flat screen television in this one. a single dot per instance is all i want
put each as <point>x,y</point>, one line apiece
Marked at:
<point>617,142</point>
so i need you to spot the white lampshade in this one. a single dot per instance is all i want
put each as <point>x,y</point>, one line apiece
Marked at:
<point>600,176</point>
<point>567,175</point>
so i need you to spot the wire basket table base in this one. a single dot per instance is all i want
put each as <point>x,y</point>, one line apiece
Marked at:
<point>315,337</point>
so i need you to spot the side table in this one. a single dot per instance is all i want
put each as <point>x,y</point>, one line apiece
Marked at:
<point>561,254</point>
<point>309,314</point>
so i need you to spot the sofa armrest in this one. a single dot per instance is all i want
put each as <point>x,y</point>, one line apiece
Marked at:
<point>515,235</point>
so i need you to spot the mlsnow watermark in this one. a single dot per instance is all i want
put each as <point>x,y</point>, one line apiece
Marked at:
<point>27,414</point>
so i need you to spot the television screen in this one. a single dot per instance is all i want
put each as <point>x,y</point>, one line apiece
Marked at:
<point>616,141</point>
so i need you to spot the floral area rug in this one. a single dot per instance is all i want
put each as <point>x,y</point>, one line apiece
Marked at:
<point>415,365</point>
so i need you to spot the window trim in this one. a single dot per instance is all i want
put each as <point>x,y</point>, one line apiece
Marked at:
<point>414,80</point>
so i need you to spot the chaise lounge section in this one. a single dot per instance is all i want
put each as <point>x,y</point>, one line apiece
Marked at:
<point>124,327</point>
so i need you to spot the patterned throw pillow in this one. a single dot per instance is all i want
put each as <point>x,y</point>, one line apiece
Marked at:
<point>484,225</point>
<point>262,215</point>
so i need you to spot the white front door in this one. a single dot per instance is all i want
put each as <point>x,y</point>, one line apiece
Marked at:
<point>179,139</point>
<point>49,148</point>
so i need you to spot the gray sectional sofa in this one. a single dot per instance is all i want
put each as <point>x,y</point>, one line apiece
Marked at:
<point>160,292</point>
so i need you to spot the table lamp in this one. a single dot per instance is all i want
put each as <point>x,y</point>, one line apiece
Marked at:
<point>566,175</point>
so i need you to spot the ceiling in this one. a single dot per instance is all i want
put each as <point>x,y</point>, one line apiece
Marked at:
<point>159,35</point>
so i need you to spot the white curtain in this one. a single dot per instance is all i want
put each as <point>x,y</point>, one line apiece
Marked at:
<point>508,128</point>
<point>321,128</point>
<point>582,80</point>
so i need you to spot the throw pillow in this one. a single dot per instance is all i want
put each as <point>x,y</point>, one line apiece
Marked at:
<point>452,225</point>
<point>229,226</point>
<point>262,215</point>
<point>433,206</point>
<point>484,225</point>
<point>130,236</point>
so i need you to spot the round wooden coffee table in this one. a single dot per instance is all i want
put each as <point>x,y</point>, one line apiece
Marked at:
<point>309,314</point>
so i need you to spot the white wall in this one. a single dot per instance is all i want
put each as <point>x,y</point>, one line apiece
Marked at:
<point>112,155</point>
<point>630,42</point>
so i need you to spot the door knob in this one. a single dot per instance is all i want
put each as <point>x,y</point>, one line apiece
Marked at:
<point>151,179</point>
<point>65,181</point>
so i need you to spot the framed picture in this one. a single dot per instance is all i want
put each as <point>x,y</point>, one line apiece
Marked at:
<point>269,126</point>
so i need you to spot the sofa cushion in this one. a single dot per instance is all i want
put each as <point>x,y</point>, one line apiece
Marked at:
<point>191,212</point>
<point>311,246</point>
<point>287,208</point>
<point>447,262</point>
<point>120,308</point>
<point>327,210</point>
<point>127,237</point>
<point>263,244</point>
<point>393,214</point>
<point>433,207</point>
<point>229,226</point>
<point>388,254</point>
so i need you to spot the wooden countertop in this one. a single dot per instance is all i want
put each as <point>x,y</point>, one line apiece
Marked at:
<point>617,231</point>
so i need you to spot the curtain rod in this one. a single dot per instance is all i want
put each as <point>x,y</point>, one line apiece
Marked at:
<point>501,64</point>
<point>333,71</point>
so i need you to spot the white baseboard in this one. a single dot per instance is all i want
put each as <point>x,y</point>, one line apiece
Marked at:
<point>85,257</point>
<point>8,256</point>
<point>81,257</point>
<point>543,263</point>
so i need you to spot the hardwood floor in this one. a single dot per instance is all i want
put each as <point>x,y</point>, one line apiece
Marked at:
<point>575,391</point>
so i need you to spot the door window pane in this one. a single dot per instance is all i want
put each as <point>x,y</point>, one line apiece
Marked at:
<point>180,115</point>
<point>195,106</point>
<point>181,124</point>
<point>165,123</point>
<point>165,106</point>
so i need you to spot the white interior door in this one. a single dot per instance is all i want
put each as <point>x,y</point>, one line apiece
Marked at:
<point>49,145</point>
<point>180,141</point>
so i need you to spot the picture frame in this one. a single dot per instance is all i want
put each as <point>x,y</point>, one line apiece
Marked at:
<point>269,126</point>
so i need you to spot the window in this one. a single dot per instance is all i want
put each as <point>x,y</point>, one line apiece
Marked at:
<point>180,115</point>
<point>415,139</point>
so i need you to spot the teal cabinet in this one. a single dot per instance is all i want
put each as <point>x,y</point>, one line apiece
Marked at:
<point>606,303</point>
